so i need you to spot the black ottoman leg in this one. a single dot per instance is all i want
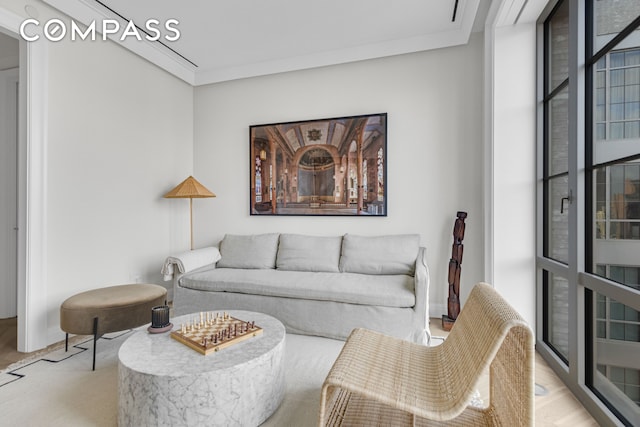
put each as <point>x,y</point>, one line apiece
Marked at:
<point>66,342</point>
<point>95,339</point>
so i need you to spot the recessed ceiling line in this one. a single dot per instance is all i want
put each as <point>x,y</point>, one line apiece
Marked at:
<point>421,26</point>
<point>142,30</point>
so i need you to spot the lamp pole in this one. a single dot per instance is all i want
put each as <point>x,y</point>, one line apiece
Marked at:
<point>191,219</point>
<point>188,189</point>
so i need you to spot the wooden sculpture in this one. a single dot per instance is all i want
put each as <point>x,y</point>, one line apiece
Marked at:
<point>455,263</point>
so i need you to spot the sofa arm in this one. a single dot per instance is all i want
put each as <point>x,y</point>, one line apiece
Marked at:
<point>181,263</point>
<point>422,281</point>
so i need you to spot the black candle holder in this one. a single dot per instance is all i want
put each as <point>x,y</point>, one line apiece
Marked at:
<point>160,319</point>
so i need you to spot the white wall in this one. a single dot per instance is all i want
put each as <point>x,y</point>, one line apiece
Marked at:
<point>120,135</point>
<point>514,154</point>
<point>122,132</point>
<point>434,105</point>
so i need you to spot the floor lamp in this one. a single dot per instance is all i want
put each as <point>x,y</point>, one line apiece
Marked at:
<point>190,188</point>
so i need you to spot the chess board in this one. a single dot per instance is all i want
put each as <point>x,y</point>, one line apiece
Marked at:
<point>211,332</point>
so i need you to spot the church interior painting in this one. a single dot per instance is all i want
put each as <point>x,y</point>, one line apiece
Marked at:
<point>334,166</point>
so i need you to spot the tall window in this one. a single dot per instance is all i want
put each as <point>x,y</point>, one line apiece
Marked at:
<point>556,181</point>
<point>613,66</point>
<point>589,259</point>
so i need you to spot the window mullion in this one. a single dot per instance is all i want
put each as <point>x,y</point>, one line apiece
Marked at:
<point>577,188</point>
<point>611,289</point>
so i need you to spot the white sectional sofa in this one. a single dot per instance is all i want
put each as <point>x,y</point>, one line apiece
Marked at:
<point>324,286</point>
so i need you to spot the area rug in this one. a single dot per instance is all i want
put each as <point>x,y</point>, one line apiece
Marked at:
<point>60,389</point>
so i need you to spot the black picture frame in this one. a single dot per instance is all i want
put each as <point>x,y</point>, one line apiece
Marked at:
<point>323,167</point>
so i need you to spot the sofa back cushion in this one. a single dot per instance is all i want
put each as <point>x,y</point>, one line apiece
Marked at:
<point>297,252</point>
<point>394,254</point>
<point>251,251</point>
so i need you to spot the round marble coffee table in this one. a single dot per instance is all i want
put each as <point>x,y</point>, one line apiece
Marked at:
<point>164,382</point>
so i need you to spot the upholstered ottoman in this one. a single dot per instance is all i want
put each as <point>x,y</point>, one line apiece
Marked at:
<point>111,309</point>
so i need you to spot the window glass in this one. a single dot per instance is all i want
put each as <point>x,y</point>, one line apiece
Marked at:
<point>617,205</point>
<point>616,98</point>
<point>609,18</point>
<point>558,133</point>
<point>558,47</point>
<point>628,275</point>
<point>616,368</point>
<point>558,313</point>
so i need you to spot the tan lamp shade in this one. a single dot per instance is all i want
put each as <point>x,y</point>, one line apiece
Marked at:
<point>190,188</point>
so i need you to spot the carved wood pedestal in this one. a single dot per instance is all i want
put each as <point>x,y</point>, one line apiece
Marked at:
<point>455,266</point>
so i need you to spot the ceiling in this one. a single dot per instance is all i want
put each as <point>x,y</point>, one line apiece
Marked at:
<point>227,40</point>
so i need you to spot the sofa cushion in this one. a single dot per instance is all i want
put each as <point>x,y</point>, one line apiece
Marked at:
<point>386,291</point>
<point>251,251</point>
<point>394,254</point>
<point>308,253</point>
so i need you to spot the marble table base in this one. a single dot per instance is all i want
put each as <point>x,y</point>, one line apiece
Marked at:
<point>163,382</point>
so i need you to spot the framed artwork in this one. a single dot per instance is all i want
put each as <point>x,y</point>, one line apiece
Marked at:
<point>329,167</point>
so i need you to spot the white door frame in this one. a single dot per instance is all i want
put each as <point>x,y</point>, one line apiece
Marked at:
<point>32,188</point>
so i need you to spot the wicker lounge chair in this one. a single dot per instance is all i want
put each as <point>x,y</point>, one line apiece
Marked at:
<point>381,380</point>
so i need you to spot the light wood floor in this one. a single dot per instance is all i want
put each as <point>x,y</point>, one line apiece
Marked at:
<point>9,343</point>
<point>558,408</point>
